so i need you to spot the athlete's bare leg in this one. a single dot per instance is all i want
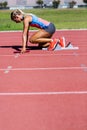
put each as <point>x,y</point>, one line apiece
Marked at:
<point>41,37</point>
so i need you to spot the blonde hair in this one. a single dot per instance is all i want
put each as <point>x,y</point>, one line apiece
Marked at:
<point>16,12</point>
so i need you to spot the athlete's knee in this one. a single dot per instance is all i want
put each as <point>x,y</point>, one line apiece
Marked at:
<point>32,40</point>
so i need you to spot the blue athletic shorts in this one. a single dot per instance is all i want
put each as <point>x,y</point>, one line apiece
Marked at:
<point>50,29</point>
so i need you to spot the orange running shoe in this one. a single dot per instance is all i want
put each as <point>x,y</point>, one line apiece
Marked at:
<point>53,45</point>
<point>62,42</point>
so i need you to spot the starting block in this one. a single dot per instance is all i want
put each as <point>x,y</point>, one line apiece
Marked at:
<point>69,46</point>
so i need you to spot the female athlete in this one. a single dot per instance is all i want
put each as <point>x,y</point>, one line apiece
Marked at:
<point>43,37</point>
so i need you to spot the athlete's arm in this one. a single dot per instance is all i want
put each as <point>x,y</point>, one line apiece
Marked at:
<point>26,21</point>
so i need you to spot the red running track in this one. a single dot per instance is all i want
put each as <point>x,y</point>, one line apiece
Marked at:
<point>43,90</point>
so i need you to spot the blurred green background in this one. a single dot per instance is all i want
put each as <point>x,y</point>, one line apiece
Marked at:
<point>62,18</point>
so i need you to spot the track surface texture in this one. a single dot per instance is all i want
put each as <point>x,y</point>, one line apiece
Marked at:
<point>43,90</point>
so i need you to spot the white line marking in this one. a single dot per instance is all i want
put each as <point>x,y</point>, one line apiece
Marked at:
<point>81,29</point>
<point>42,93</point>
<point>40,55</point>
<point>45,68</point>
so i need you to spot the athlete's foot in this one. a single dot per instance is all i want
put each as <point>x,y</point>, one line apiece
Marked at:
<point>62,42</point>
<point>53,45</point>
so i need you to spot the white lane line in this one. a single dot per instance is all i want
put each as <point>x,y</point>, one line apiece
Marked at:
<point>40,55</point>
<point>16,55</point>
<point>43,93</point>
<point>45,68</point>
<point>58,30</point>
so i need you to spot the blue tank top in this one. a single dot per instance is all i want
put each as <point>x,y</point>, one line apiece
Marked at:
<point>38,22</point>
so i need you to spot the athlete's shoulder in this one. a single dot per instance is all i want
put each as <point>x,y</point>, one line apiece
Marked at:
<point>27,18</point>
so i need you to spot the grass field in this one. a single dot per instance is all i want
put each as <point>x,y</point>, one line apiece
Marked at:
<point>62,18</point>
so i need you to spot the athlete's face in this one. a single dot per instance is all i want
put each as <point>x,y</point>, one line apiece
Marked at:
<point>17,19</point>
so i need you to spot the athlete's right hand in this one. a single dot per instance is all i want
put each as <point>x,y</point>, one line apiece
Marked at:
<point>23,50</point>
